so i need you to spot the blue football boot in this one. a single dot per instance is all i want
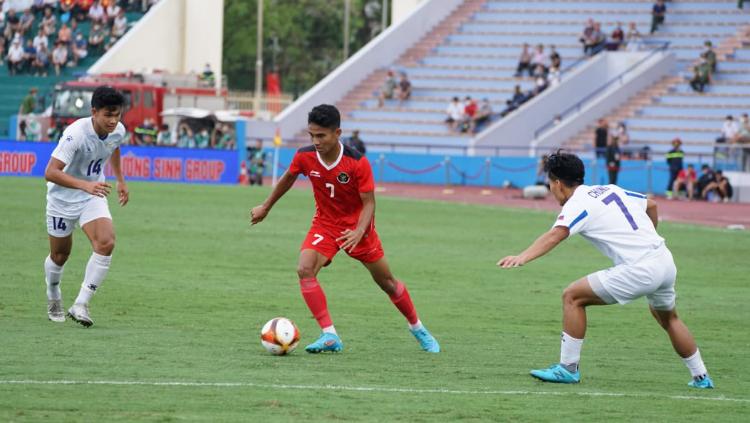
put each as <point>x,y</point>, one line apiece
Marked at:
<point>426,340</point>
<point>703,383</point>
<point>327,342</point>
<point>557,373</point>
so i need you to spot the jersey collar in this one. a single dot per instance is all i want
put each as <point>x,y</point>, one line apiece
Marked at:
<point>334,164</point>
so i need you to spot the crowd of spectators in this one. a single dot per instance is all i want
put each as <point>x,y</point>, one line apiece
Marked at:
<point>467,115</point>
<point>47,36</point>
<point>711,185</point>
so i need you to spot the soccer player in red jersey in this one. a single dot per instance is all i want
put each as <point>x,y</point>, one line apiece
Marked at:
<point>344,220</point>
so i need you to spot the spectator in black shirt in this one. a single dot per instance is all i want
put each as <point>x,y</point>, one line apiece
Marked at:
<point>356,142</point>
<point>658,12</point>
<point>601,135</point>
<point>675,157</point>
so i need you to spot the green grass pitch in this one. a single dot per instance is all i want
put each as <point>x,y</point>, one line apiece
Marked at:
<point>176,334</point>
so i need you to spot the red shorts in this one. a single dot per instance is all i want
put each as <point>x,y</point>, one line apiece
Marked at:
<point>323,240</point>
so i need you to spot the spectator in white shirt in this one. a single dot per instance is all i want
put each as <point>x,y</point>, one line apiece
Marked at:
<point>455,113</point>
<point>540,58</point>
<point>112,11</point>
<point>59,57</point>
<point>729,130</point>
<point>49,21</point>
<point>15,56</point>
<point>120,25</point>
<point>97,13</point>
<point>41,39</point>
<point>553,76</point>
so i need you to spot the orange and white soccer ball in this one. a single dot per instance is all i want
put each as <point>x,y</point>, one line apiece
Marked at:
<point>279,336</point>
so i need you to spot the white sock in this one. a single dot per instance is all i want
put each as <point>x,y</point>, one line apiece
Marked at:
<point>570,350</point>
<point>330,329</point>
<point>53,277</point>
<point>96,271</point>
<point>695,364</point>
<point>416,326</point>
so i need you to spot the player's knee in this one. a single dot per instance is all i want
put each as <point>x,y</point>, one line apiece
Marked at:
<point>569,297</point>
<point>305,271</point>
<point>105,246</point>
<point>59,258</point>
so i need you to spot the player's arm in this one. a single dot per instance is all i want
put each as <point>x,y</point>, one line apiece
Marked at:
<point>54,173</point>
<point>540,247</point>
<point>258,213</point>
<point>651,211</point>
<point>350,237</point>
<point>123,195</point>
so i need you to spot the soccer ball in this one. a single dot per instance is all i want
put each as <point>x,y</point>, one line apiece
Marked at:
<point>279,336</point>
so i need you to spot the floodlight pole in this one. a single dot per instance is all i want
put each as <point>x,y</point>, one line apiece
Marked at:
<point>347,12</point>
<point>259,60</point>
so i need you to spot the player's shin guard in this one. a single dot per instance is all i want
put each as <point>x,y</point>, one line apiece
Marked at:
<point>96,271</point>
<point>53,277</point>
<point>402,301</point>
<point>316,301</point>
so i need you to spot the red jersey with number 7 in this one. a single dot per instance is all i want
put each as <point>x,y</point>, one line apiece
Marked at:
<point>336,186</point>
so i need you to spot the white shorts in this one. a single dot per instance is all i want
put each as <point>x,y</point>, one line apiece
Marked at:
<point>653,277</point>
<point>95,208</point>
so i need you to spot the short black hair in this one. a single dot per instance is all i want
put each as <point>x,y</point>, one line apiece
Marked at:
<point>106,97</point>
<point>326,116</point>
<point>566,167</point>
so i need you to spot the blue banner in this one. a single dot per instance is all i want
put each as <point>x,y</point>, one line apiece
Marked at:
<point>165,164</point>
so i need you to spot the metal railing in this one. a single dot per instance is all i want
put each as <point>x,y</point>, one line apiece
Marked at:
<point>268,107</point>
<point>617,79</point>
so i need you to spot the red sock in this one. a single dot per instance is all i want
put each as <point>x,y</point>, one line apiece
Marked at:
<point>316,301</point>
<point>402,301</point>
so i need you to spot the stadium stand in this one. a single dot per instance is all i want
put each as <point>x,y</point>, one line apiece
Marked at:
<point>15,87</point>
<point>475,51</point>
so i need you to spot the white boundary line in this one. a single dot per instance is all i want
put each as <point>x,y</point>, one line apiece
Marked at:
<point>371,389</point>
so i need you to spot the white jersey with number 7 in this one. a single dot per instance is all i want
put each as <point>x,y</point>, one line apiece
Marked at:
<point>612,219</point>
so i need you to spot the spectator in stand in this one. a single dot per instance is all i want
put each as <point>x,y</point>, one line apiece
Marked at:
<point>202,138</point>
<point>598,40</point>
<point>404,89</point>
<point>620,134</point>
<point>710,55</point>
<point>601,137</point>
<point>658,13</point>
<point>540,81</point>
<point>355,142</point>
<point>469,111</point>
<point>96,39</point>
<point>112,9</point>
<point>729,130</point>
<point>685,179</point>
<point>82,9</point>
<point>524,61</point>
<point>674,157</point>
<point>15,56</point>
<point>388,88</point>
<point>633,38</point>
<point>26,22</point>
<point>718,189</point>
<point>540,58</point>
<point>554,58</point>
<point>79,49</point>
<point>145,133</point>
<point>12,24</point>
<point>74,29</point>
<point>616,39</point>
<point>455,113</point>
<point>41,61</point>
<point>706,178</point>
<point>164,137</point>
<point>97,13</point>
<point>29,54</point>
<point>743,133</point>
<point>553,76</point>
<point>515,101</point>
<point>223,137</point>
<point>28,104</point>
<point>612,157</point>
<point>64,35</point>
<point>67,6</point>
<point>59,56</point>
<point>120,25</point>
<point>586,35</point>
<point>701,75</point>
<point>484,114</point>
<point>41,39</point>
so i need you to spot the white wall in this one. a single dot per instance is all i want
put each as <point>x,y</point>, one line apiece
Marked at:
<point>400,9</point>
<point>178,36</point>
<point>518,128</point>
<point>381,51</point>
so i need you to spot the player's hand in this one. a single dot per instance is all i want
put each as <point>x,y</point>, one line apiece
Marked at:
<point>100,189</point>
<point>257,214</point>
<point>511,261</point>
<point>123,194</point>
<point>351,238</point>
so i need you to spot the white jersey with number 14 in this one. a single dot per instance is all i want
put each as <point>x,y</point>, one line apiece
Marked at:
<point>612,219</point>
<point>85,156</point>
